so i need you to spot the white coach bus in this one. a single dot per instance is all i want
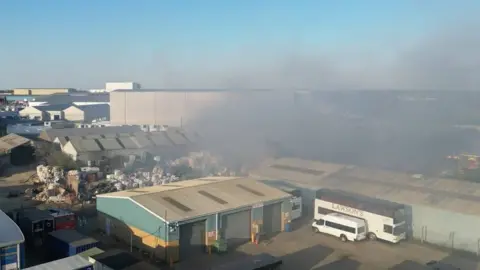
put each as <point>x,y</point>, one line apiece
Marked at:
<point>385,220</point>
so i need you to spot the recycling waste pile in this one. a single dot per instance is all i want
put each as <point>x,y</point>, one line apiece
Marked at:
<point>56,185</point>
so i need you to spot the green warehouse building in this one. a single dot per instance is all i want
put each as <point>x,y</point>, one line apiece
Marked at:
<point>181,219</point>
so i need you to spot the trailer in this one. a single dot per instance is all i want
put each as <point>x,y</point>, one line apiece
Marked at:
<point>385,220</point>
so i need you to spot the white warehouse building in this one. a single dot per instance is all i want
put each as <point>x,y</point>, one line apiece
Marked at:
<point>112,86</point>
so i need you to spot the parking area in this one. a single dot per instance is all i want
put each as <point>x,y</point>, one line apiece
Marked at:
<point>304,250</point>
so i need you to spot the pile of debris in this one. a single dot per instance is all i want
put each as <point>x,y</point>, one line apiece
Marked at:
<point>49,174</point>
<point>202,163</point>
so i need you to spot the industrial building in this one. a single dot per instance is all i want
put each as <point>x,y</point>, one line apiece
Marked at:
<point>45,113</point>
<point>112,86</point>
<point>179,107</point>
<point>96,148</point>
<point>182,219</point>
<point>41,91</point>
<point>12,251</point>
<point>87,113</point>
<point>77,98</point>
<point>51,134</point>
<point>19,149</point>
<point>430,202</point>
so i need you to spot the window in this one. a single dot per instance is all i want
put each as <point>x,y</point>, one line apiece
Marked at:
<point>361,230</point>
<point>340,227</point>
<point>398,230</point>
<point>388,229</point>
<point>323,211</point>
<point>295,206</point>
<point>320,222</point>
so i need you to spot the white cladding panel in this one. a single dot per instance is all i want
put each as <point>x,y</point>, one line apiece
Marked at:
<point>445,228</point>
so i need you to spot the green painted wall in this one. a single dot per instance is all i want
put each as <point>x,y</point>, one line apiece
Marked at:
<point>133,215</point>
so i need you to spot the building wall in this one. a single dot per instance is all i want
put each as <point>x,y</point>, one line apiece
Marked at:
<point>172,108</point>
<point>435,226</point>
<point>51,115</point>
<point>41,91</point>
<point>111,86</point>
<point>12,257</point>
<point>32,113</point>
<point>129,222</point>
<point>74,114</point>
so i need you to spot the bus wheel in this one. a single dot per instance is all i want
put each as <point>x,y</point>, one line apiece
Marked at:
<point>372,236</point>
<point>315,230</point>
<point>343,238</point>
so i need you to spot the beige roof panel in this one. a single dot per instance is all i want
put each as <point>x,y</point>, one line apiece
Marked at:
<point>193,198</point>
<point>451,194</point>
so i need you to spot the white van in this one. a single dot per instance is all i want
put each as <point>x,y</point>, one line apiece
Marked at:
<point>342,226</point>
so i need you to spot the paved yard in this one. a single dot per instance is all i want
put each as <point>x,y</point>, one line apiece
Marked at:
<point>305,250</point>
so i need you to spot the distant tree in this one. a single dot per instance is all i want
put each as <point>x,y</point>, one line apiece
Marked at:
<point>60,159</point>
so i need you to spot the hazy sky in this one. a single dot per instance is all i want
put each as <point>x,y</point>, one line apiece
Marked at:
<point>433,44</point>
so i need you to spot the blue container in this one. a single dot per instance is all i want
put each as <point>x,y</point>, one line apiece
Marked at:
<point>288,227</point>
<point>66,243</point>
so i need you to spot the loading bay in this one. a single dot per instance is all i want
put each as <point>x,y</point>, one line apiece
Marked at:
<point>302,249</point>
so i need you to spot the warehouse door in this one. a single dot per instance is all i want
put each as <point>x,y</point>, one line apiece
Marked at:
<point>272,218</point>
<point>236,227</point>
<point>192,239</point>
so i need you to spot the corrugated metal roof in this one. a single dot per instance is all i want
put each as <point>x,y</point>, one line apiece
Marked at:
<point>73,237</point>
<point>176,137</point>
<point>51,134</point>
<point>73,97</point>
<point>186,199</point>
<point>160,139</point>
<point>54,107</point>
<point>449,194</point>
<point>11,141</point>
<point>110,144</point>
<point>142,140</point>
<point>10,232</point>
<point>85,145</point>
<point>129,143</point>
<point>69,263</point>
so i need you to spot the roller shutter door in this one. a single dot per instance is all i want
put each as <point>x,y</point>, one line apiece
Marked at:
<point>272,218</point>
<point>236,227</point>
<point>192,239</point>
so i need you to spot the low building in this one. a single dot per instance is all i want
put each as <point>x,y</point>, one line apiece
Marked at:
<point>51,134</point>
<point>87,113</point>
<point>45,113</point>
<point>429,201</point>
<point>19,148</point>
<point>12,251</point>
<point>98,147</point>
<point>182,219</point>
<point>77,98</point>
<point>41,91</point>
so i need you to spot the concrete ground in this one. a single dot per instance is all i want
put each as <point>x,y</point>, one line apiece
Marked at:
<point>304,250</point>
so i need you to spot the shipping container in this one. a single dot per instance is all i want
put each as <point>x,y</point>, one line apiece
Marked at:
<point>63,219</point>
<point>65,243</point>
<point>35,225</point>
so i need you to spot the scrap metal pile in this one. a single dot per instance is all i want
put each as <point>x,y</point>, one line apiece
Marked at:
<point>55,185</point>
